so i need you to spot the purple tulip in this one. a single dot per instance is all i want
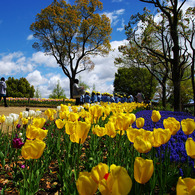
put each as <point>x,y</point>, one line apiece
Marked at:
<point>18,126</point>
<point>22,166</point>
<point>17,143</point>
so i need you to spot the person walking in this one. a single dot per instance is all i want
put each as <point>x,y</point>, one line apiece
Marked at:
<point>3,88</point>
<point>140,97</point>
<point>77,91</point>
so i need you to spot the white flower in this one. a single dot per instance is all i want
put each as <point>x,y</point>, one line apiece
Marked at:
<point>20,135</point>
<point>58,108</point>
<point>70,108</point>
<point>31,113</point>
<point>38,113</point>
<point>9,120</point>
<point>14,116</point>
<point>25,114</point>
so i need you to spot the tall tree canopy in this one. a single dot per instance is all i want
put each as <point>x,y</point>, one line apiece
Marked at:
<point>132,80</point>
<point>176,56</point>
<point>73,33</point>
<point>19,88</point>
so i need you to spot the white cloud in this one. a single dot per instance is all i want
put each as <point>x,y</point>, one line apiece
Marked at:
<point>35,78</point>
<point>13,63</point>
<point>42,59</point>
<point>122,26</point>
<point>117,0</point>
<point>30,37</point>
<point>104,71</point>
<point>113,16</point>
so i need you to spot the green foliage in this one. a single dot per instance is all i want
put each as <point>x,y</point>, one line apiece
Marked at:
<point>131,80</point>
<point>37,93</point>
<point>19,88</point>
<point>58,92</point>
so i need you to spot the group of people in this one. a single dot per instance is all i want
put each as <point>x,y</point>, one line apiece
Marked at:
<point>83,96</point>
<point>3,88</point>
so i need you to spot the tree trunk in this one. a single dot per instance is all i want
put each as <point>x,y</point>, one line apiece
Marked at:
<point>71,87</point>
<point>177,95</point>
<point>164,90</point>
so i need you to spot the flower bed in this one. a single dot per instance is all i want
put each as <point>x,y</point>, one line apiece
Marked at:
<point>97,149</point>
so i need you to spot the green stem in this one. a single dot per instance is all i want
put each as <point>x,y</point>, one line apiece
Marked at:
<point>118,148</point>
<point>77,163</point>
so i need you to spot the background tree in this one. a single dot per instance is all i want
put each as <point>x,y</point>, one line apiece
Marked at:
<point>171,11</point>
<point>58,92</point>
<point>19,88</point>
<point>131,80</point>
<point>188,33</point>
<point>73,33</point>
<point>37,93</point>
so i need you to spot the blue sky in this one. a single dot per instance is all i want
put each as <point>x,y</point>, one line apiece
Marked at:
<point>19,59</point>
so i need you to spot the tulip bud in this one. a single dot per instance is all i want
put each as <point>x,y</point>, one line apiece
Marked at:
<point>155,116</point>
<point>143,170</point>
<point>188,126</point>
<point>190,147</point>
<point>140,122</point>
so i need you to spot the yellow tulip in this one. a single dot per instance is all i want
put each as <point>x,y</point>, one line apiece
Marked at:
<point>96,111</point>
<point>123,121</point>
<point>50,112</point>
<point>99,131</point>
<point>33,149</point>
<point>39,122</point>
<point>24,121</point>
<point>110,129</point>
<point>2,118</point>
<point>98,172</point>
<point>33,132</point>
<point>51,118</point>
<point>64,108</point>
<point>141,145</point>
<point>143,170</point>
<point>155,116</point>
<point>190,147</point>
<point>85,184</point>
<point>172,124</point>
<point>64,114</point>
<point>116,182</point>
<point>161,136</point>
<point>59,123</point>
<point>188,126</point>
<point>81,132</point>
<point>70,127</point>
<point>132,118</point>
<point>185,186</point>
<point>73,116</point>
<point>132,133</point>
<point>140,122</point>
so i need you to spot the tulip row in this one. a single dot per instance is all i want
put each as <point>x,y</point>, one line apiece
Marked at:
<point>97,149</point>
<point>38,101</point>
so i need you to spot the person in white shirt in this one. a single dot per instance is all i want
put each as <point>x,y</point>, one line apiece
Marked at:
<point>3,88</point>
